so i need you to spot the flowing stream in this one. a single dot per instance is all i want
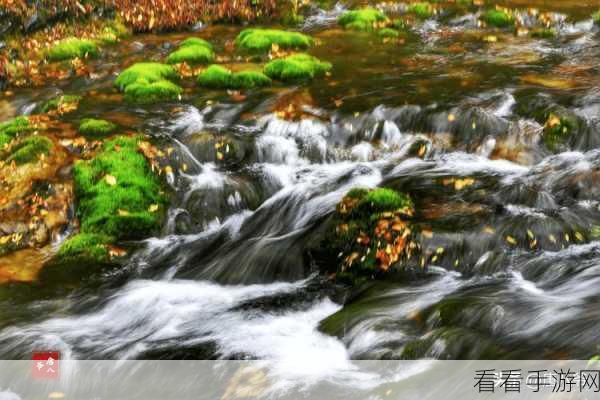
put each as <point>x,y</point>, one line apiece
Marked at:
<point>230,277</point>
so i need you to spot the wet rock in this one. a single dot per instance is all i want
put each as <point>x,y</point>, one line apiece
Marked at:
<point>218,148</point>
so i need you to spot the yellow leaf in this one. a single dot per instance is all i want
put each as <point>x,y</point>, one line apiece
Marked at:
<point>153,208</point>
<point>110,180</point>
<point>511,240</point>
<point>122,213</point>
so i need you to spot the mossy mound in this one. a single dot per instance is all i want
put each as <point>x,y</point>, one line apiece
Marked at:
<point>596,17</point>
<point>28,150</point>
<point>96,127</point>
<point>87,248</point>
<point>218,77</point>
<point>256,40</point>
<point>149,82</point>
<point>369,234</point>
<point>544,33</point>
<point>421,10</point>
<point>11,128</point>
<point>192,51</point>
<point>498,18</point>
<point>117,194</point>
<point>296,67</point>
<point>365,19</point>
<point>388,33</point>
<point>71,48</point>
<point>559,127</point>
<point>61,102</point>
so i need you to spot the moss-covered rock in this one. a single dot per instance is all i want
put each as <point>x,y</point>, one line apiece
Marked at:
<point>62,102</point>
<point>70,48</point>
<point>96,127</point>
<point>192,51</point>
<point>365,19</point>
<point>596,17</point>
<point>117,194</point>
<point>28,149</point>
<point>369,234</point>
<point>256,40</point>
<point>544,33</point>
<point>297,67</point>
<point>115,31</point>
<point>422,10</point>
<point>498,18</point>
<point>218,77</point>
<point>12,128</point>
<point>85,248</point>
<point>388,33</point>
<point>559,127</point>
<point>149,82</point>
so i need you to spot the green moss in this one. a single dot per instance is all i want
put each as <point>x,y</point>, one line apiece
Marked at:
<point>421,10</point>
<point>143,92</point>
<point>149,82</point>
<point>368,235</point>
<point>558,129</point>
<point>85,248</point>
<point>296,67</point>
<point>218,77</point>
<point>364,19</point>
<point>544,33</point>
<point>73,48</point>
<point>96,127</point>
<point>11,128</point>
<point>29,149</point>
<point>194,41</point>
<point>498,18</point>
<point>147,71</point>
<point>595,232</point>
<point>261,40</point>
<point>59,101</point>
<point>191,54</point>
<point>116,192</point>
<point>596,17</point>
<point>388,33</point>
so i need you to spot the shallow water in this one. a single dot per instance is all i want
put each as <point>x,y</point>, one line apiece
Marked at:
<point>230,276</point>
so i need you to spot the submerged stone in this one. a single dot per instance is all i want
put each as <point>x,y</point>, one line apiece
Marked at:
<point>96,127</point>
<point>70,48</point>
<point>63,103</point>
<point>297,67</point>
<point>262,40</point>
<point>218,77</point>
<point>149,82</point>
<point>369,234</point>
<point>559,127</point>
<point>498,18</point>
<point>365,19</point>
<point>544,33</point>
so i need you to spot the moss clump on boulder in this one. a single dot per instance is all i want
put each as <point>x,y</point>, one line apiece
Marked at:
<point>256,40</point>
<point>498,18</point>
<point>149,82</point>
<point>559,127</point>
<point>85,248</point>
<point>369,234</point>
<point>96,127</point>
<point>596,17</point>
<point>28,149</point>
<point>421,10</point>
<point>11,128</point>
<point>117,194</point>
<point>544,33</point>
<point>70,48</point>
<point>61,103</point>
<point>388,33</point>
<point>218,77</point>
<point>297,67</point>
<point>192,51</point>
<point>365,19</point>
